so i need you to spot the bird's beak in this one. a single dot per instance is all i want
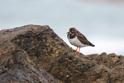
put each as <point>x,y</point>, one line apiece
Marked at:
<point>67,33</point>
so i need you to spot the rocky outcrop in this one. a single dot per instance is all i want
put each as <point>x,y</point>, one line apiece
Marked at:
<point>35,54</point>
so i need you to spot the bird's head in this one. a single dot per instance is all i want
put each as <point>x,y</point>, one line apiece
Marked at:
<point>72,30</point>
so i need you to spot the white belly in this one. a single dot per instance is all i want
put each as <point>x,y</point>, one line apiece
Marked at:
<point>76,42</point>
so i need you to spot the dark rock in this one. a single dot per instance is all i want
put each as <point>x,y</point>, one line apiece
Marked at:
<point>21,52</point>
<point>35,54</point>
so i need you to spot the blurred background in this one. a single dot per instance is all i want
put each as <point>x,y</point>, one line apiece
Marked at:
<point>101,21</point>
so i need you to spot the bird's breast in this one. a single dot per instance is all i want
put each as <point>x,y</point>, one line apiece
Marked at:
<point>75,41</point>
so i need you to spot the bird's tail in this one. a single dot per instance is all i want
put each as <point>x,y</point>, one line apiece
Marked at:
<point>90,44</point>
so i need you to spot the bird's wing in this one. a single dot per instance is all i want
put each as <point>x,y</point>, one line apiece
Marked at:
<point>83,39</point>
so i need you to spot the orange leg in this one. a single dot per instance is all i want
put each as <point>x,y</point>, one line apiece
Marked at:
<point>79,51</point>
<point>76,49</point>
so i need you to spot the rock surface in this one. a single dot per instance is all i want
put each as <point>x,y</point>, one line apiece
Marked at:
<point>35,54</point>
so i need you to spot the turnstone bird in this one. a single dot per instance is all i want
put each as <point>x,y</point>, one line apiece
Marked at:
<point>78,39</point>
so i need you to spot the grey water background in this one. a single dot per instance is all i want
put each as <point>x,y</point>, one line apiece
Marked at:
<point>101,22</point>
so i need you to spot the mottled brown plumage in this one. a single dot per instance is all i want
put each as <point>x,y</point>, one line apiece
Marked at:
<point>78,39</point>
<point>74,32</point>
